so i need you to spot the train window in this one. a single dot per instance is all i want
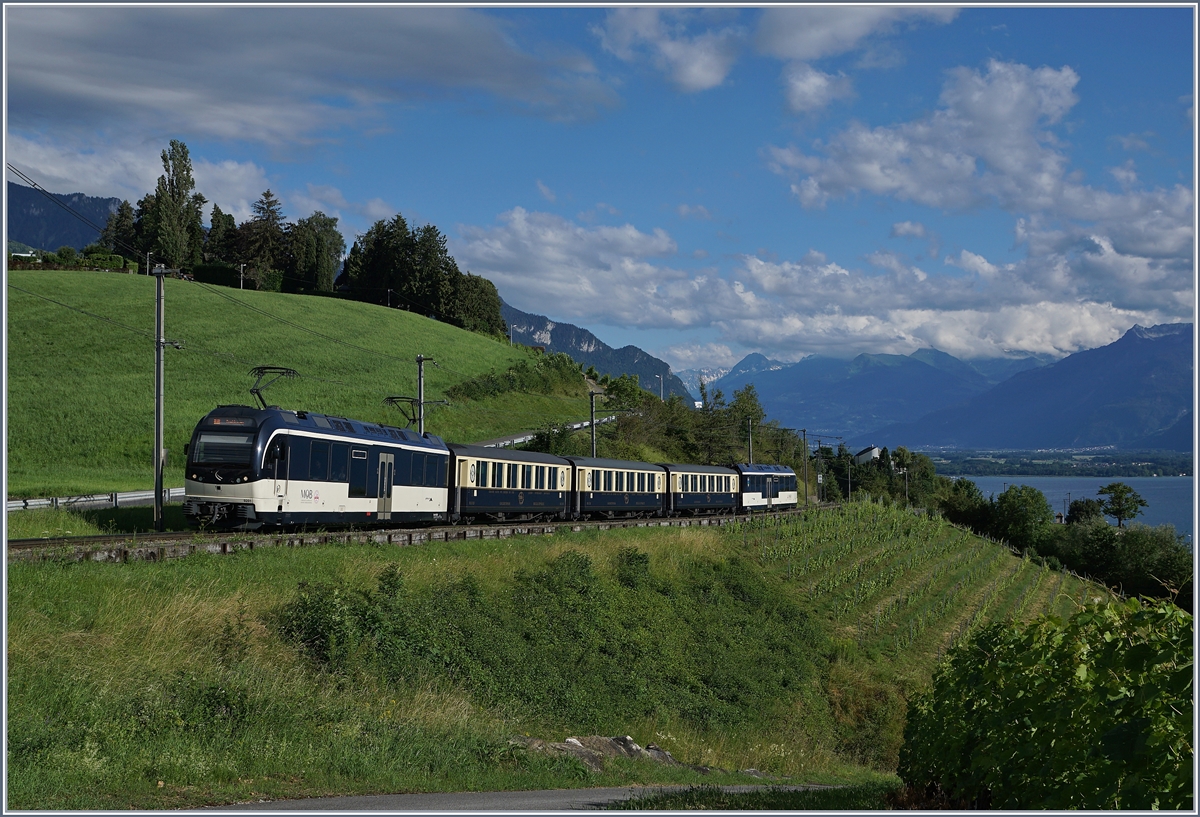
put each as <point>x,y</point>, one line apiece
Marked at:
<point>223,449</point>
<point>540,478</point>
<point>556,481</point>
<point>358,472</point>
<point>497,475</point>
<point>608,480</point>
<point>318,464</point>
<point>483,474</point>
<point>641,483</point>
<point>443,465</point>
<point>620,481</point>
<point>511,476</point>
<point>338,454</point>
<point>526,477</point>
<point>299,465</point>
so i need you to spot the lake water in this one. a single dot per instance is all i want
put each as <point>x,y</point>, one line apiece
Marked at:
<point>1170,500</point>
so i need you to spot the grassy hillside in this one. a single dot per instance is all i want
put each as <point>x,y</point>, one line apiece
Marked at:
<point>789,647</point>
<point>81,388</point>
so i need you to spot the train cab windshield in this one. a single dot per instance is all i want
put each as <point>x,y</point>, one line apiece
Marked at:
<point>223,448</point>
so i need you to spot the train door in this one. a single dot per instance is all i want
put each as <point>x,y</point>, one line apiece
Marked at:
<point>769,490</point>
<point>277,455</point>
<point>387,471</point>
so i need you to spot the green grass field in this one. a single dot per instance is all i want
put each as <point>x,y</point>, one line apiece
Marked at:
<point>168,685</point>
<point>81,388</point>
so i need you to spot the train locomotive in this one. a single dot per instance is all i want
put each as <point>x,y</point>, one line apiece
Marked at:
<point>250,468</point>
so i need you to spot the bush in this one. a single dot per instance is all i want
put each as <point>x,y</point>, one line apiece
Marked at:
<point>217,273</point>
<point>549,374</point>
<point>1091,713</point>
<point>717,646</point>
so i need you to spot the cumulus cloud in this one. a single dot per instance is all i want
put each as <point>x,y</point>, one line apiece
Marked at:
<point>693,61</point>
<point>700,355</point>
<point>618,275</point>
<point>812,32</point>
<point>808,89</point>
<point>271,75</point>
<point>908,228</point>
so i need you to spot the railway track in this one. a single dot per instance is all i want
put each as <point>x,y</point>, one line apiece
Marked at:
<point>153,547</point>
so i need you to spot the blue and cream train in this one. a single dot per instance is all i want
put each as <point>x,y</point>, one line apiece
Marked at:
<point>249,468</point>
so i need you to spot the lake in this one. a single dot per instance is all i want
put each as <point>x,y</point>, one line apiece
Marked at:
<point>1171,500</point>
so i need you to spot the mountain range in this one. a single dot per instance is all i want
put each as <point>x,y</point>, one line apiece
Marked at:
<point>586,348</point>
<point>1133,393</point>
<point>35,220</point>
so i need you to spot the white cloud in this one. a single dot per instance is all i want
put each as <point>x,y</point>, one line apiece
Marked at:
<point>620,276</point>
<point>694,211</point>
<point>986,142</point>
<point>693,62</point>
<point>812,32</point>
<point>546,192</point>
<point>808,89</point>
<point>700,355</point>
<point>908,228</point>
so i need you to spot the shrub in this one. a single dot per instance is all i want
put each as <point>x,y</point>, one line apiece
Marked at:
<point>1091,713</point>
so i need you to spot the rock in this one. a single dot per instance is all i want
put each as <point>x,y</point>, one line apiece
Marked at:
<point>591,750</point>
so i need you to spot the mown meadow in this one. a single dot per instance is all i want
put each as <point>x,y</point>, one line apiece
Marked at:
<point>785,645</point>
<point>81,386</point>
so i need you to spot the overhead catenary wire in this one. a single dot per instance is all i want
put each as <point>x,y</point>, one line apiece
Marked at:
<point>99,230</point>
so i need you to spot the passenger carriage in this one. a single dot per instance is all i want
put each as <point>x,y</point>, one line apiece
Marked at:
<point>617,488</point>
<point>248,468</point>
<point>494,483</point>
<point>767,487</point>
<point>698,490</point>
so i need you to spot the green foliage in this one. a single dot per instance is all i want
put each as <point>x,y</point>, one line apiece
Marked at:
<point>1140,560</point>
<point>546,374</point>
<point>716,645</point>
<point>1084,510</point>
<point>1022,517</point>
<point>1091,713</point>
<point>1121,502</point>
<point>313,254</point>
<point>413,269</point>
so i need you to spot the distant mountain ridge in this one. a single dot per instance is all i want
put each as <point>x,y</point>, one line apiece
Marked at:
<point>35,220</point>
<point>1136,392</point>
<point>837,397</point>
<point>586,348</point>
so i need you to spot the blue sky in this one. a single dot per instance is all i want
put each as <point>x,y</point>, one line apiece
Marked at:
<point>703,183</point>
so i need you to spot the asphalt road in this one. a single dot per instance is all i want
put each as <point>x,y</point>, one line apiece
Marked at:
<point>471,802</point>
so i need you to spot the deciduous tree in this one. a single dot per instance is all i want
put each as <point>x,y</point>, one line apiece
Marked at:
<point>1122,502</point>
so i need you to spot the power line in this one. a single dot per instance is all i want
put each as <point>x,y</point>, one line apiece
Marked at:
<point>141,332</point>
<point>99,230</point>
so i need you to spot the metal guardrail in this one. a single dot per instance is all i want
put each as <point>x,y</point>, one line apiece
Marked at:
<point>504,442</point>
<point>115,499</point>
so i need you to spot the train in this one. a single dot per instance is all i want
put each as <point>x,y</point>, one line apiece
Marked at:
<point>250,468</point>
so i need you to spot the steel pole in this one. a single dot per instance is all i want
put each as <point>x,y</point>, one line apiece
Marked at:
<point>421,393</point>
<point>804,432</point>
<point>592,400</point>
<point>159,342</point>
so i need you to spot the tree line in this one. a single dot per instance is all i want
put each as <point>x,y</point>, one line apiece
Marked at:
<point>1135,559</point>
<point>391,264</point>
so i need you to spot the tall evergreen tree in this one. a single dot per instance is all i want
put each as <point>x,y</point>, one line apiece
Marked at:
<point>221,243</point>
<point>175,230</point>
<point>264,241</point>
<point>120,231</point>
